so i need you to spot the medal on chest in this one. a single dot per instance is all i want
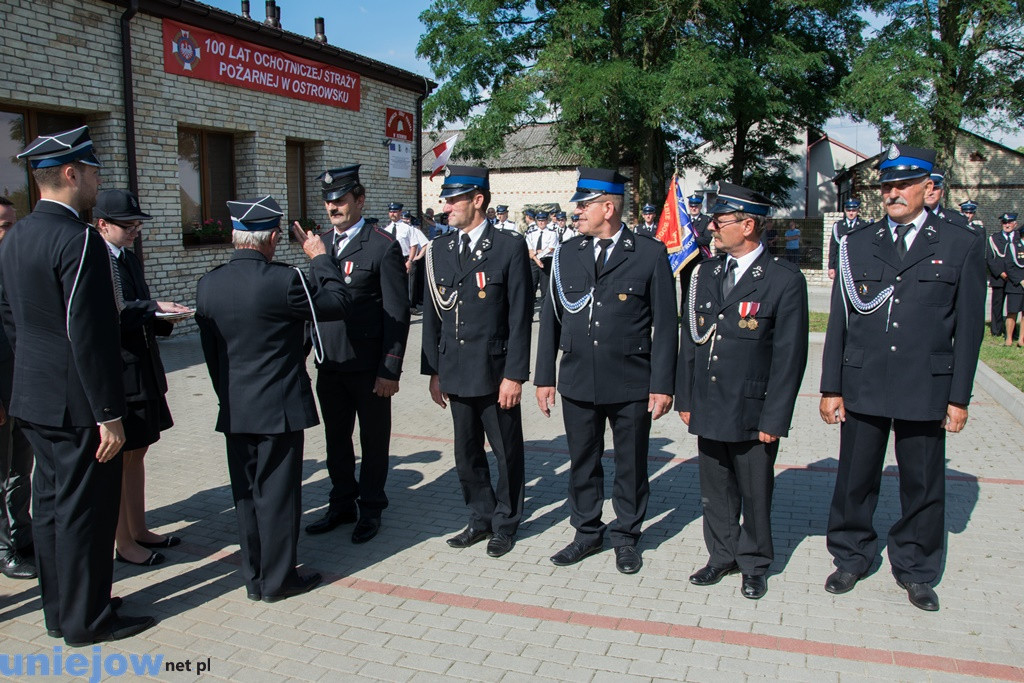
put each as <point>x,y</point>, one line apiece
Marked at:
<point>348,272</point>
<point>481,282</point>
<point>747,310</point>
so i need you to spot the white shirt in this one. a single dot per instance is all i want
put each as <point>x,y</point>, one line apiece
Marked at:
<point>548,241</point>
<point>341,239</point>
<point>744,262</point>
<point>116,251</point>
<point>474,237</point>
<point>402,232</point>
<point>912,233</point>
<point>615,241</point>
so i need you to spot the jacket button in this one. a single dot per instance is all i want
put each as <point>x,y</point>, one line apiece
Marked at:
<point>896,325</point>
<point>718,337</point>
<point>462,341</point>
<point>597,323</point>
<point>595,342</point>
<point>713,378</point>
<point>714,357</point>
<point>895,301</point>
<point>721,316</point>
<point>599,303</point>
<point>899,279</point>
<point>892,348</point>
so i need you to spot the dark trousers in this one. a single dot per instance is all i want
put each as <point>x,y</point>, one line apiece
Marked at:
<point>536,273</point>
<point>916,540</point>
<point>499,508</point>
<point>545,277</point>
<point>15,488</point>
<point>416,275</point>
<point>266,481</point>
<point>584,430</point>
<point>344,396</point>
<point>75,500</point>
<point>998,319</point>
<point>735,479</point>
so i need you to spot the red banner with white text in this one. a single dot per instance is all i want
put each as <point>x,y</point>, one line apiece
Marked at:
<point>198,53</point>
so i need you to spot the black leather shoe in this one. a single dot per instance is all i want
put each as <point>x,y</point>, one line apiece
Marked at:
<point>168,542</point>
<point>120,627</point>
<point>709,576</point>
<point>574,552</point>
<point>17,566</point>
<point>467,537</point>
<point>366,528</point>
<point>922,596</point>
<point>154,559</point>
<point>754,587</point>
<point>116,602</point>
<point>255,596</point>
<point>500,544</point>
<point>840,582</point>
<point>305,584</point>
<point>334,517</point>
<point>55,633</point>
<point>627,559</point>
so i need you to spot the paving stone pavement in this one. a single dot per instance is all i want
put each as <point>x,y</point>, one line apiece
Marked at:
<point>406,607</point>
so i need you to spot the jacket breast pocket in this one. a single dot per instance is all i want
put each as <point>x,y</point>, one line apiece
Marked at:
<point>443,279</point>
<point>868,280</point>
<point>755,326</point>
<point>936,284</point>
<point>629,296</point>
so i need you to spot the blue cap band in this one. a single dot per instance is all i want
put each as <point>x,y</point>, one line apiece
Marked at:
<point>600,186</point>
<point>475,181</point>
<point>907,162</point>
<point>85,156</point>
<point>256,226</point>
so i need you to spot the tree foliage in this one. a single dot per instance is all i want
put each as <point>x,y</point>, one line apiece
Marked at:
<point>642,82</point>
<point>937,65</point>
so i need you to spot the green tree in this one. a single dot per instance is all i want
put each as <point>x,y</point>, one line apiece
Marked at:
<point>640,82</point>
<point>937,65</point>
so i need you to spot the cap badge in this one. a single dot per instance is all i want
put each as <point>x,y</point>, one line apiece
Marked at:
<point>894,152</point>
<point>328,178</point>
<point>447,172</point>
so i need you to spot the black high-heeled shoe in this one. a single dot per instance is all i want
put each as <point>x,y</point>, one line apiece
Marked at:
<point>151,561</point>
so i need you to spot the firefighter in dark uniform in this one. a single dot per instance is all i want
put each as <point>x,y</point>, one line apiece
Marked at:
<point>933,202</point>
<point>501,221</point>
<point>612,314</point>
<point>252,317</point>
<point>648,225</point>
<point>1013,269</point>
<point>741,360</point>
<point>969,209</point>
<point>700,222</point>
<point>362,360</point>
<point>900,354</point>
<point>476,350</point>
<point>61,317</point>
<point>852,221</point>
<point>997,246</point>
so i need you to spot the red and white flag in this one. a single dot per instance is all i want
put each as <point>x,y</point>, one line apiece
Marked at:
<point>443,151</point>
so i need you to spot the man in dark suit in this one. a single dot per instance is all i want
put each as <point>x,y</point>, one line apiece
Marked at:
<point>252,315</point>
<point>933,203</point>
<point>359,371</point>
<point>900,354</point>
<point>61,318</point>
<point>476,350</point>
<point>700,223</point>
<point>741,360</point>
<point>613,316</point>
<point>851,222</point>
<point>16,551</point>
<point>996,248</point>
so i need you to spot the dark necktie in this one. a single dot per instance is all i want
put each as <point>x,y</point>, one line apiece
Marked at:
<point>602,255</point>
<point>464,252</point>
<point>540,240</point>
<point>729,281</point>
<point>901,241</point>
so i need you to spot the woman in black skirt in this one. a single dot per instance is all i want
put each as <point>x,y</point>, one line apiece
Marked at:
<point>119,220</point>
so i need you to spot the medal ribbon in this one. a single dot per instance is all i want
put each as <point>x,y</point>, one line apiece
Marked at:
<point>481,280</point>
<point>749,308</point>
<point>348,267</point>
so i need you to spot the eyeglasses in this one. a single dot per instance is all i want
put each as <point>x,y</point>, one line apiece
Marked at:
<point>128,227</point>
<point>717,223</point>
<point>582,206</point>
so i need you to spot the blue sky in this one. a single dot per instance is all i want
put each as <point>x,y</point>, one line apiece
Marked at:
<point>389,30</point>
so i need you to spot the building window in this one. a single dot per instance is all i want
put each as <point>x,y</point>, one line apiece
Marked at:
<point>296,174</point>
<point>206,181</point>
<point>21,126</point>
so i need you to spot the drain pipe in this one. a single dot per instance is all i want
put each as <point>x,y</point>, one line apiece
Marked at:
<point>419,148</point>
<point>128,98</point>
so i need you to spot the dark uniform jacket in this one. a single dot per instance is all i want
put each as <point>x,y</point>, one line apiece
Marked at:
<point>622,347</point>
<point>840,228</point>
<point>491,340</point>
<point>373,336</point>
<point>643,229</point>
<point>744,379</point>
<point>144,377</point>
<point>701,224</point>
<point>1013,265</point>
<point>57,382</point>
<point>909,361</point>
<point>251,315</point>
<point>996,250</point>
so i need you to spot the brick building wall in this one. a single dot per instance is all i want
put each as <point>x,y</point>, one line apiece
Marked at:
<point>66,56</point>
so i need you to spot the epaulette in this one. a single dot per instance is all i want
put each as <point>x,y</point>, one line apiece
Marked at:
<point>786,263</point>
<point>383,233</point>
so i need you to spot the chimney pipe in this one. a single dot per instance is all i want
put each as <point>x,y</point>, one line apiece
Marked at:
<point>277,16</point>
<point>271,14</point>
<point>245,9</point>
<point>320,36</point>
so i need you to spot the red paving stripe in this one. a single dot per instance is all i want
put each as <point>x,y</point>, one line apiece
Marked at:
<point>778,466</point>
<point>910,660</point>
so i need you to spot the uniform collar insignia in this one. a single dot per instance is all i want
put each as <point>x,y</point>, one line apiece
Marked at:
<point>585,243</point>
<point>451,244</point>
<point>485,243</point>
<point>757,272</point>
<point>717,270</point>
<point>627,243</point>
<point>881,231</point>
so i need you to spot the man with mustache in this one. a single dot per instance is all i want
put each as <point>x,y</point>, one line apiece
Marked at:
<point>900,354</point>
